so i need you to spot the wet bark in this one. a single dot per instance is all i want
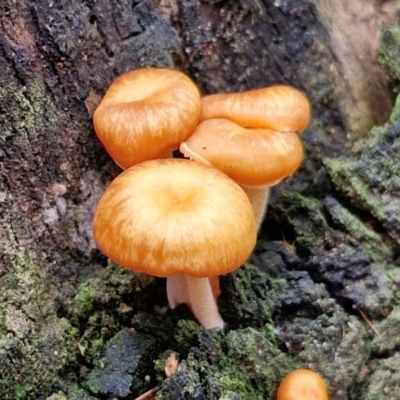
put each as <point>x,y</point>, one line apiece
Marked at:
<point>60,299</point>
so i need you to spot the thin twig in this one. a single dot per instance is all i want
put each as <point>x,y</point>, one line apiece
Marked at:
<point>150,395</point>
<point>369,323</point>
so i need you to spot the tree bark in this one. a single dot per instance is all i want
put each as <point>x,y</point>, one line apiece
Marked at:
<point>60,299</point>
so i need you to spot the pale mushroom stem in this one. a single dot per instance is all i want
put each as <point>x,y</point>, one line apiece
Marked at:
<point>259,199</point>
<point>177,291</point>
<point>199,294</point>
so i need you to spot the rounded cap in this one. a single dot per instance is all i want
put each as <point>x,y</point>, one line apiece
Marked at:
<point>170,216</point>
<point>281,108</point>
<point>146,113</point>
<point>251,157</point>
<point>302,384</point>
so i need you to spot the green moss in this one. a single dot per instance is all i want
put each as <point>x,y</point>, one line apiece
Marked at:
<point>26,107</point>
<point>249,293</point>
<point>371,180</point>
<point>97,308</point>
<point>35,345</point>
<point>97,345</point>
<point>58,396</point>
<point>388,53</point>
<point>350,256</point>
<point>21,391</point>
<point>85,297</point>
<point>242,364</point>
<point>389,339</point>
<point>357,179</point>
<point>395,115</point>
<point>187,334</point>
<point>99,287</point>
<point>78,394</point>
<point>258,362</point>
<point>233,385</point>
<point>372,242</point>
<point>305,215</point>
<point>382,381</point>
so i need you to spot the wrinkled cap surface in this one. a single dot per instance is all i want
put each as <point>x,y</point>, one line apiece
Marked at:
<point>171,216</point>
<point>145,113</point>
<point>251,157</point>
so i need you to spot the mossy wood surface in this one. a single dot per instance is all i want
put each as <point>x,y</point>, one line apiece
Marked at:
<point>321,290</point>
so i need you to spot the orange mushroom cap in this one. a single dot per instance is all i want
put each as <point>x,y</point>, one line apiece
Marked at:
<point>302,384</point>
<point>280,107</point>
<point>251,157</point>
<point>170,216</point>
<point>146,113</point>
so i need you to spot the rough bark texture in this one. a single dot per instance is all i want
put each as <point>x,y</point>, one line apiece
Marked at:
<point>321,289</point>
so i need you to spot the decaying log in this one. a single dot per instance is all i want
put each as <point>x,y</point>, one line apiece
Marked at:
<point>65,311</point>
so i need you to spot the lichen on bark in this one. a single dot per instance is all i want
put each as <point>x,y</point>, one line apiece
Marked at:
<point>36,345</point>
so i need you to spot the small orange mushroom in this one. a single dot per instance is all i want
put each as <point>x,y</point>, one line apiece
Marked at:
<point>271,116</point>
<point>281,108</point>
<point>251,157</point>
<point>145,114</point>
<point>177,219</point>
<point>302,384</point>
<point>254,158</point>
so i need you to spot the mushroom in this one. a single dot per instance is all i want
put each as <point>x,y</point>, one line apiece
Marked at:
<point>278,108</point>
<point>177,219</point>
<point>281,108</point>
<point>145,114</point>
<point>302,384</point>
<point>254,158</point>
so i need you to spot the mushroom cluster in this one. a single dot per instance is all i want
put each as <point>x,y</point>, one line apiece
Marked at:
<point>184,220</point>
<point>253,137</point>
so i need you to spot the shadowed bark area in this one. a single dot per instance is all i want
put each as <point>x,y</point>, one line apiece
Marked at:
<point>320,290</point>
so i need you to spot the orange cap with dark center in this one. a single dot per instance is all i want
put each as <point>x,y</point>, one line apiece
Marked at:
<point>146,113</point>
<point>251,157</point>
<point>171,216</point>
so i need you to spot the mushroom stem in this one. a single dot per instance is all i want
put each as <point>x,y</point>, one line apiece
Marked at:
<point>259,199</point>
<point>199,294</point>
<point>177,291</point>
